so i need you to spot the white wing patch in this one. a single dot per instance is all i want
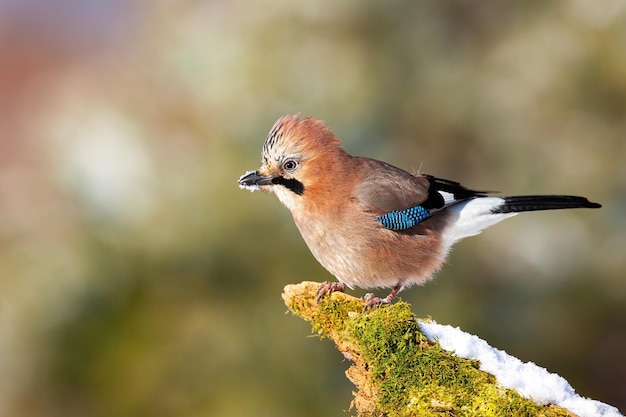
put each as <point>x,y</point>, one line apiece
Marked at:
<point>448,198</point>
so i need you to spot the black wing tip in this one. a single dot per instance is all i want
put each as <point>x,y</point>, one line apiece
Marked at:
<point>458,190</point>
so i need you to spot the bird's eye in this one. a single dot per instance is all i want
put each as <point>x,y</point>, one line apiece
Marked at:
<point>290,165</point>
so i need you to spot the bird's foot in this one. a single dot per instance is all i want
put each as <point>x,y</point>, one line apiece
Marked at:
<point>371,301</point>
<point>328,287</point>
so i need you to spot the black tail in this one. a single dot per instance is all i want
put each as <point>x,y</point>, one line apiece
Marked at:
<point>542,202</point>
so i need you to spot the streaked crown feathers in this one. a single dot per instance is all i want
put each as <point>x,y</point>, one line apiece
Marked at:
<point>292,136</point>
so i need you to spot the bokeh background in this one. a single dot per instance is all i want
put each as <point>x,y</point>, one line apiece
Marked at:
<point>137,279</point>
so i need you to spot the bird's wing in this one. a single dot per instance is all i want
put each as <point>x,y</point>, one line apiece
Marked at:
<point>400,199</point>
<point>452,191</point>
<point>384,188</point>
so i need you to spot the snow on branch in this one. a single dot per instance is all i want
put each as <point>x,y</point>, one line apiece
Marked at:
<point>403,366</point>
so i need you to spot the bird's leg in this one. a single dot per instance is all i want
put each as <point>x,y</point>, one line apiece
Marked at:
<point>372,301</point>
<point>328,287</point>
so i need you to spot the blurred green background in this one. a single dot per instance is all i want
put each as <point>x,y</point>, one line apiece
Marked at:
<point>137,279</point>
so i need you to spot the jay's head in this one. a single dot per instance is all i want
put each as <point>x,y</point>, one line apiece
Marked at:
<point>297,157</point>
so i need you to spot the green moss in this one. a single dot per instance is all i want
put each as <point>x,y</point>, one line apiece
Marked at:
<point>397,370</point>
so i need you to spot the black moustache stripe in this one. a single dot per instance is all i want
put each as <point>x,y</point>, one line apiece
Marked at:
<point>291,184</point>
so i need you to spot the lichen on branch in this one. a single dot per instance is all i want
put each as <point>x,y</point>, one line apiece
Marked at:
<point>399,372</point>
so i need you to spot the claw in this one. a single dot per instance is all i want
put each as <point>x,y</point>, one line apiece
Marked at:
<point>371,301</point>
<point>328,287</point>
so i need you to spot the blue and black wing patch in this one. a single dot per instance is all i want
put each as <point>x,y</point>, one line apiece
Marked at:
<point>403,219</point>
<point>441,193</point>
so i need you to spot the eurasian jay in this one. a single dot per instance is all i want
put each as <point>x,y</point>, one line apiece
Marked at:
<point>370,224</point>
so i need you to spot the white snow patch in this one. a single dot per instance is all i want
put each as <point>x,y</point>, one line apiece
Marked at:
<point>530,380</point>
<point>250,188</point>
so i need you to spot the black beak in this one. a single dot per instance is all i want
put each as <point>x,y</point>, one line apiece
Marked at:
<point>253,179</point>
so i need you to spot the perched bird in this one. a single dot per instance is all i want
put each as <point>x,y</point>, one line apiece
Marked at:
<point>370,224</point>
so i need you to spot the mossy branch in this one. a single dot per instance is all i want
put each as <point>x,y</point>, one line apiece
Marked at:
<point>397,370</point>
